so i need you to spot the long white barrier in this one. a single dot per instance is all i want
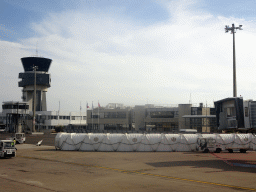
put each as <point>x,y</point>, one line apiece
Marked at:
<point>146,142</point>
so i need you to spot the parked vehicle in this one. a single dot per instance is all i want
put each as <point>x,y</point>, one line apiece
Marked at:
<point>2,127</point>
<point>7,148</point>
<point>211,144</point>
<point>20,138</point>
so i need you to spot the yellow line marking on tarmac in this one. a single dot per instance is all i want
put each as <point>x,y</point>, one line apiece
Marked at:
<point>142,173</point>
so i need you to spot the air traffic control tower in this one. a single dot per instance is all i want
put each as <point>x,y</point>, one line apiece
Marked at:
<point>43,81</point>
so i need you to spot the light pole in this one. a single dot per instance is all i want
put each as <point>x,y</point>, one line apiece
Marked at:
<point>39,121</point>
<point>34,108</point>
<point>233,31</point>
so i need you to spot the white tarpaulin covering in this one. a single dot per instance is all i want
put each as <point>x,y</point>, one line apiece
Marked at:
<point>147,142</point>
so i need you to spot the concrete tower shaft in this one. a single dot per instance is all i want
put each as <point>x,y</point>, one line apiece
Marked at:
<point>43,81</point>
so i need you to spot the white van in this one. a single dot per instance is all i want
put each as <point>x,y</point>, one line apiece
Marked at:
<point>20,138</point>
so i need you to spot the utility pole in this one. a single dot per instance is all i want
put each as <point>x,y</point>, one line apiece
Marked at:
<point>34,107</point>
<point>80,114</point>
<point>233,31</point>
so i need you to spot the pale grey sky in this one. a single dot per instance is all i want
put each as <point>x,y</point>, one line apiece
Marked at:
<point>156,52</point>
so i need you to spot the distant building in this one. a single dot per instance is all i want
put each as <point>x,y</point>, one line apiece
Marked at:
<point>202,119</point>
<point>53,119</point>
<point>16,117</point>
<point>13,115</point>
<point>112,117</point>
<point>156,118</point>
<point>235,114</point>
<point>151,118</point>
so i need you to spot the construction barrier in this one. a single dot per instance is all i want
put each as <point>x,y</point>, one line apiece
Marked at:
<point>147,142</point>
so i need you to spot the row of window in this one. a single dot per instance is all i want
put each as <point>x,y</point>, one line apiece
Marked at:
<point>196,123</point>
<point>198,111</point>
<point>64,117</point>
<point>49,117</point>
<point>113,115</point>
<point>15,107</point>
<point>55,117</point>
<point>110,115</point>
<point>162,114</point>
<point>162,125</point>
<point>109,126</point>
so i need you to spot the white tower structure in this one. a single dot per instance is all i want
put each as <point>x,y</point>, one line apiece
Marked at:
<point>43,81</point>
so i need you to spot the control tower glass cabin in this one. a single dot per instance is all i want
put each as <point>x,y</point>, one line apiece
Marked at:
<point>43,81</point>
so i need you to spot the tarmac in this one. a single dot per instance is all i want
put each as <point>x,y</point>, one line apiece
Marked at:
<point>42,168</point>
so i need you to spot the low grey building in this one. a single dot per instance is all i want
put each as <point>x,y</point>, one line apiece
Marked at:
<point>235,114</point>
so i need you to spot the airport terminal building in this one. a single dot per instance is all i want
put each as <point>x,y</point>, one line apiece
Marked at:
<point>115,117</point>
<point>18,116</point>
<point>151,118</point>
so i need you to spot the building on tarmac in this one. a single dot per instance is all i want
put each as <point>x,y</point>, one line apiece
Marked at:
<point>236,115</point>
<point>149,118</point>
<point>16,118</point>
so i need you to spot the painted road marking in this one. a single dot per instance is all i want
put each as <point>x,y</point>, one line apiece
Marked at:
<point>234,164</point>
<point>142,173</point>
<point>29,184</point>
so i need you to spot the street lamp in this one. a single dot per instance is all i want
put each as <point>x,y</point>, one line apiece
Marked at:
<point>233,31</point>
<point>39,121</point>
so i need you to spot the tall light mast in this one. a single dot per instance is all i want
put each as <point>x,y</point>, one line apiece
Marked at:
<point>233,31</point>
<point>34,100</point>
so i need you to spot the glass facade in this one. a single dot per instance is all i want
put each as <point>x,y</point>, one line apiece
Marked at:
<point>10,106</point>
<point>113,115</point>
<point>162,114</point>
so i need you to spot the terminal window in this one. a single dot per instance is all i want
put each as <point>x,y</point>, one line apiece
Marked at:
<point>162,114</point>
<point>231,112</point>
